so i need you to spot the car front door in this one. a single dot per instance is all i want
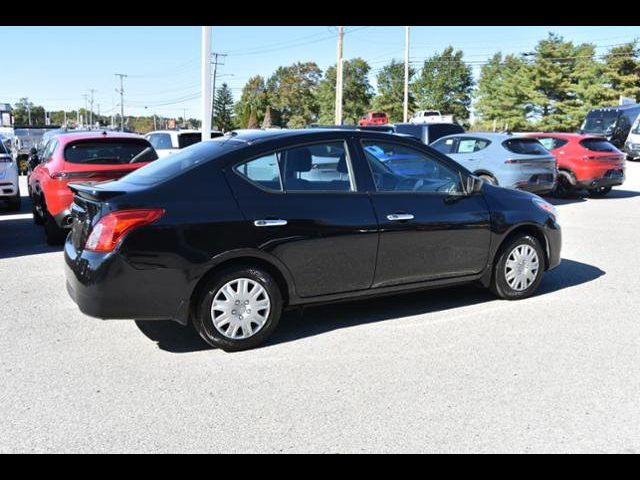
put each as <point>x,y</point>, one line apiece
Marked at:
<point>302,205</point>
<point>429,228</point>
<point>470,153</point>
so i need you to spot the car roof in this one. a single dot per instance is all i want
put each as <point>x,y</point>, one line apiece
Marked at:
<point>258,135</point>
<point>494,136</point>
<point>567,136</point>
<point>178,132</point>
<point>95,134</point>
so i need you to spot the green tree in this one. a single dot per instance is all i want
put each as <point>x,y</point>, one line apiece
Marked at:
<point>266,123</point>
<point>223,115</point>
<point>622,71</point>
<point>357,92</point>
<point>504,94</point>
<point>23,109</point>
<point>292,94</point>
<point>390,97</point>
<point>446,84</point>
<point>253,101</point>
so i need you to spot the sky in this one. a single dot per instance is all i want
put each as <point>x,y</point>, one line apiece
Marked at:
<point>55,66</point>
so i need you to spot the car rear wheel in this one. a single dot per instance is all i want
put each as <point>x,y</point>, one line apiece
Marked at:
<point>599,192</point>
<point>518,269</point>
<point>238,309</point>
<point>564,187</point>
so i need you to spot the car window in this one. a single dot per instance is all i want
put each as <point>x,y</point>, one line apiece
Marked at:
<point>466,145</point>
<point>445,145</point>
<point>318,167</point>
<point>525,146</point>
<point>47,154</point>
<point>188,139</point>
<point>263,171</point>
<point>161,141</point>
<point>551,143</point>
<point>400,168</point>
<point>109,151</point>
<point>598,145</point>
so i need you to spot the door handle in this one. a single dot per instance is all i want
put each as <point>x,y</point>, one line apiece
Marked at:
<point>399,217</point>
<point>270,223</point>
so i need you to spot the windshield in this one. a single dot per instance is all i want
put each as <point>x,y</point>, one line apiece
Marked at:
<point>600,121</point>
<point>182,161</point>
<point>636,127</point>
<point>110,152</point>
<point>20,132</point>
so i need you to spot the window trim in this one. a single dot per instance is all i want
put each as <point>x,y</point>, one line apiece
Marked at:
<point>393,192</point>
<point>352,180</point>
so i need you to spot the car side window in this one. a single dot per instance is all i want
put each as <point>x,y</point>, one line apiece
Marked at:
<point>160,141</point>
<point>400,168</point>
<point>471,145</point>
<point>263,171</point>
<point>445,145</point>
<point>48,151</point>
<point>547,142</point>
<point>317,167</point>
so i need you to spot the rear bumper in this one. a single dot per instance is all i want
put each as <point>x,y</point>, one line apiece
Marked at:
<point>611,178</point>
<point>107,286</point>
<point>9,189</point>
<point>538,183</point>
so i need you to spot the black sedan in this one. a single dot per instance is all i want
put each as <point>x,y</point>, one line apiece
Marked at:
<point>228,232</point>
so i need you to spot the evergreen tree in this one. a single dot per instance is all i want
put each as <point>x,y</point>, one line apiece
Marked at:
<point>223,115</point>
<point>253,100</point>
<point>622,72</point>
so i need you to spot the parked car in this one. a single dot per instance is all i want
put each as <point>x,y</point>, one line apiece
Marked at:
<point>632,144</point>
<point>167,142</point>
<point>86,156</point>
<point>26,138</point>
<point>7,140</point>
<point>373,118</point>
<point>584,162</point>
<point>428,132</point>
<point>230,231</point>
<point>612,123</point>
<point>503,159</point>
<point>9,185</point>
<point>430,116</point>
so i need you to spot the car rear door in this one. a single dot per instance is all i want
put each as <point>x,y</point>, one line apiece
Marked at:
<point>302,205</point>
<point>429,229</point>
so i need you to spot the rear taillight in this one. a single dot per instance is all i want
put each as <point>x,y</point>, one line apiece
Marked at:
<point>113,226</point>
<point>68,175</point>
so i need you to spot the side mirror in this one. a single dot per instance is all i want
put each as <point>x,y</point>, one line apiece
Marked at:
<point>474,185</point>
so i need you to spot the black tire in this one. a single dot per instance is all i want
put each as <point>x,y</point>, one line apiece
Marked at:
<point>37,208</point>
<point>499,284</point>
<point>564,188</point>
<point>37,219</point>
<point>488,179</point>
<point>53,233</point>
<point>599,192</point>
<point>15,203</point>
<point>203,321</point>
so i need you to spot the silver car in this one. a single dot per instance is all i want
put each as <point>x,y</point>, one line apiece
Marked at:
<point>9,186</point>
<point>503,159</point>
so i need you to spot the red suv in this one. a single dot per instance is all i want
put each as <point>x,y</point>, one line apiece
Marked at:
<point>78,157</point>
<point>584,162</point>
<point>373,118</point>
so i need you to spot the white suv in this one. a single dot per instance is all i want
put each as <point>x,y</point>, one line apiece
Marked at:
<point>9,187</point>
<point>166,142</point>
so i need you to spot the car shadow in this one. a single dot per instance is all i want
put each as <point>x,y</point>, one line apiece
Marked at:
<point>583,196</point>
<point>318,320</point>
<point>19,236</point>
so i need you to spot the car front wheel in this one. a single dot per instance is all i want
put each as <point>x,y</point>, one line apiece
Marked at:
<point>518,269</point>
<point>238,309</point>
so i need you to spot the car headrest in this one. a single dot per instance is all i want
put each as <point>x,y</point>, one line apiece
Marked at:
<point>342,164</point>
<point>299,160</point>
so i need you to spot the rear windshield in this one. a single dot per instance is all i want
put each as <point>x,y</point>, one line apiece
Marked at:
<point>598,145</point>
<point>525,146</point>
<point>182,161</point>
<point>379,115</point>
<point>110,152</point>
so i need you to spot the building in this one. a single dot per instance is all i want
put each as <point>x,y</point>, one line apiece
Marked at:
<point>6,118</point>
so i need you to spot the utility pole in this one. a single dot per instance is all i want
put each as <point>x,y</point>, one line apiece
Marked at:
<point>28,110</point>
<point>406,75</point>
<point>86,108</point>
<point>121,92</point>
<point>205,83</point>
<point>338,112</point>
<point>91,111</point>
<point>65,119</point>
<point>215,64</point>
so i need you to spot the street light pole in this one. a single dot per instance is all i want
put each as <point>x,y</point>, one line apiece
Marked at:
<point>338,112</point>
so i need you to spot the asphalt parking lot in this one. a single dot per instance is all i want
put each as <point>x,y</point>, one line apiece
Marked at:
<point>443,371</point>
